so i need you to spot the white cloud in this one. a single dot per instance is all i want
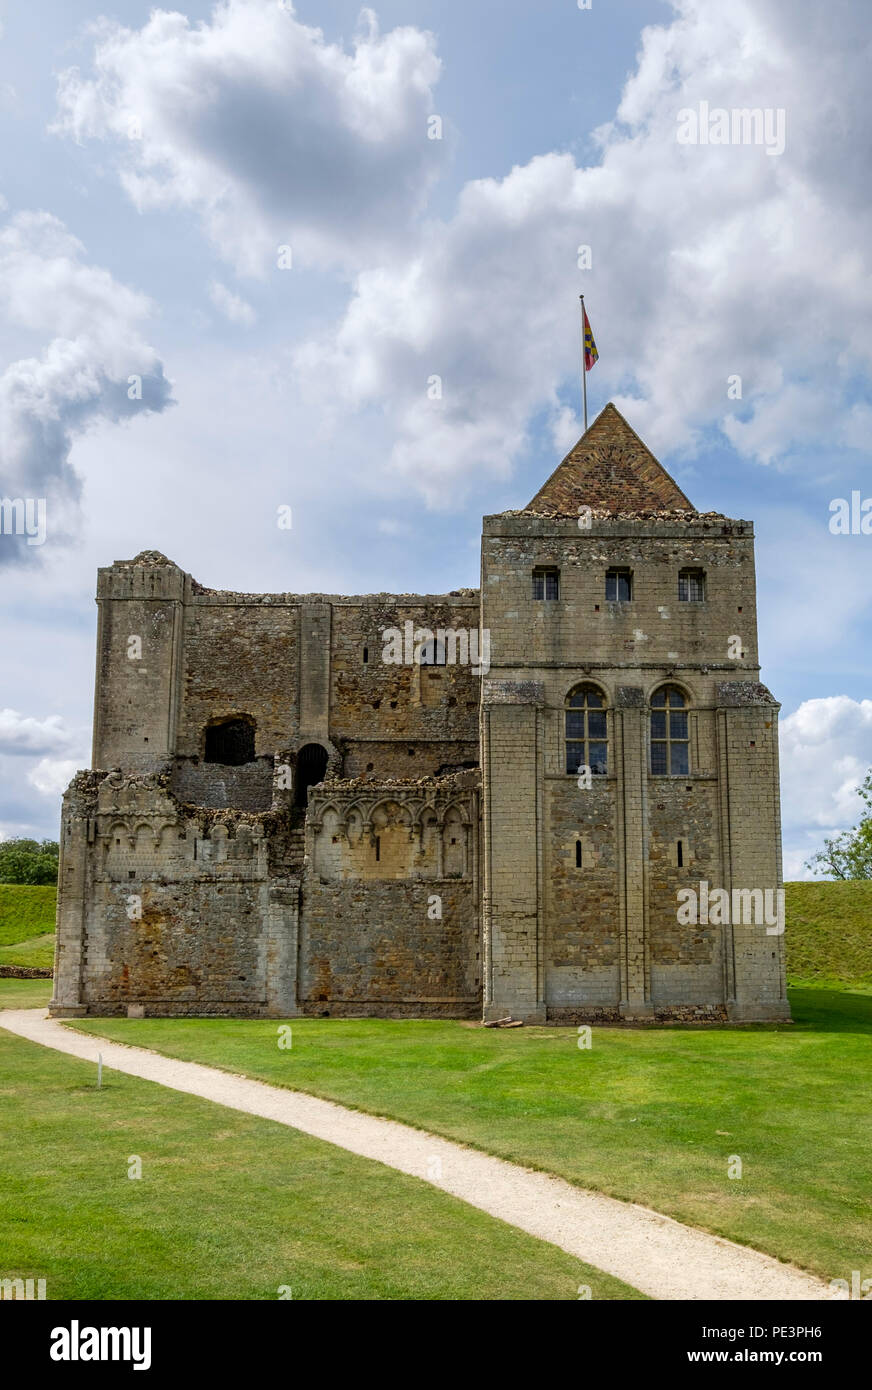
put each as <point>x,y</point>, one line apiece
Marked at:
<point>236,309</point>
<point>826,751</point>
<point>52,776</point>
<point>23,734</point>
<point>265,130</point>
<point>707,261</point>
<point>84,374</point>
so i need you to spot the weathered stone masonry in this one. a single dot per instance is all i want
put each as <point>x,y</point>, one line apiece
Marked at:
<point>281,821</point>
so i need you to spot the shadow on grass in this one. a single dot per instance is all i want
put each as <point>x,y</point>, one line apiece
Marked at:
<point>835,1010</point>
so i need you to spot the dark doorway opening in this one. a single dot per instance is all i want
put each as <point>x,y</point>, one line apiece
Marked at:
<point>311,766</point>
<point>230,742</point>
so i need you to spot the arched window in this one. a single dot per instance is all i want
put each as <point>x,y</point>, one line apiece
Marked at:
<point>586,735</point>
<point>230,741</point>
<point>670,739</point>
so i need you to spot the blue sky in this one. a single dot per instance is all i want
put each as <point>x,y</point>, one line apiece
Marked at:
<point>155,162</point>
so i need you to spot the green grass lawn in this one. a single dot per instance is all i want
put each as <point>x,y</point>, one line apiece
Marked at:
<point>25,912</point>
<point>828,932</point>
<point>650,1115</point>
<point>231,1206</point>
<point>24,994</point>
<point>37,952</point>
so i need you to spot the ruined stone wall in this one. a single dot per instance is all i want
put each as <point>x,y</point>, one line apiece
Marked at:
<point>303,667</point>
<point>245,788</point>
<point>240,658</point>
<point>390,913</point>
<point>178,908</point>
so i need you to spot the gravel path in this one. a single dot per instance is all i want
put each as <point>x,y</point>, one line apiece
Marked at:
<point>651,1252</point>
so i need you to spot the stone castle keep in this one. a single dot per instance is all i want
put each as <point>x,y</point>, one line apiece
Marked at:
<point>457,805</point>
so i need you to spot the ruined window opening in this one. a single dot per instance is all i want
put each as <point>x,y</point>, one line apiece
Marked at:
<point>370,767</point>
<point>546,582</point>
<point>619,585</point>
<point>578,854</point>
<point>670,735</point>
<point>586,731</point>
<point>691,586</point>
<point>311,767</point>
<point>410,752</point>
<point>230,742</point>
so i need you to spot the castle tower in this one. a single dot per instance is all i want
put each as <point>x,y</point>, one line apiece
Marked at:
<point>629,753</point>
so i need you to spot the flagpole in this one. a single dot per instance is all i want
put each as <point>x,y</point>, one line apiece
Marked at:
<point>583,364</point>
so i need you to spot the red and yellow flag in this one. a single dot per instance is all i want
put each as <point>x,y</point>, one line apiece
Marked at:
<point>590,352</point>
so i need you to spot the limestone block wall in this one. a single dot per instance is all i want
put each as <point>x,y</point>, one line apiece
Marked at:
<point>608,927</point>
<point>687,961</point>
<point>751,849</point>
<point>581,896</point>
<point>583,627</point>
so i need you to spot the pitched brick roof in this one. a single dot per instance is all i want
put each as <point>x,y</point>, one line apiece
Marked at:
<point>611,470</point>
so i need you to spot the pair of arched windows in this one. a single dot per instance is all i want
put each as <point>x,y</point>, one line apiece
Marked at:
<point>586,730</point>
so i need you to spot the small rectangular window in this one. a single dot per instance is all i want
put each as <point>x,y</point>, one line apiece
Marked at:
<point>619,586</point>
<point>546,583</point>
<point>691,586</point>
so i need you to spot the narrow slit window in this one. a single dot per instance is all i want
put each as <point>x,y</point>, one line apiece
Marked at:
<point>679,851</point>
<point>365,656</point>
<point>377,848</point>
<point>578,854</point>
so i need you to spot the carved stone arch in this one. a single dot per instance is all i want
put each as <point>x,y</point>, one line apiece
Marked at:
<point>461,810</point>
<point>455,847</point>
<point>355,822</point>
<point>678,682</point>
<point>317,822</point>
<point>386,804</point>
<point>588,682</point>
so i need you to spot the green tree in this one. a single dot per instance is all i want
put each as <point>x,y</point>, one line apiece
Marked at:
<point>849,855</point>
<point>29,861</point>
